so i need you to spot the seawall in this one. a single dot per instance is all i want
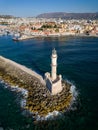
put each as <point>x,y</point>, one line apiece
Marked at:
<point>17,70</point>
<point>39,99</point>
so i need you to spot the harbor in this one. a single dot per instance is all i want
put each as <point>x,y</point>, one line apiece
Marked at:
<point>76,57</point>
<point>29,28</point>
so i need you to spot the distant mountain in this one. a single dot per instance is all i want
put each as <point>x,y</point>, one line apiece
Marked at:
<point>6,16</point>
<point>69,15</point>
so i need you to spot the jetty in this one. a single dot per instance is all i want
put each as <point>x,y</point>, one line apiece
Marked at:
<point>39,99</point>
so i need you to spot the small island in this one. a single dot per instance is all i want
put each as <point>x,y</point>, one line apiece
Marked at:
<point>43,95</point>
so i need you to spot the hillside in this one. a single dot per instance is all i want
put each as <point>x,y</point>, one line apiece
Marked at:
<point>6,16</point>
<point>69,15</point>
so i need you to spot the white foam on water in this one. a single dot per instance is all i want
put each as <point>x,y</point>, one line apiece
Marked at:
<point>51,115</point>
<point>74,91</point>
<point>75,94</point>
<point>56,114</point>
<point>20,91</point>
<point>23,103</point>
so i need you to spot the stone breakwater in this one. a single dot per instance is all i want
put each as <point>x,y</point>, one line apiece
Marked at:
<point>39,100</point>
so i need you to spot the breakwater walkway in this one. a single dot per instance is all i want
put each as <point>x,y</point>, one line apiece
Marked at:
<point>16,69</point>
<point>39,99</point>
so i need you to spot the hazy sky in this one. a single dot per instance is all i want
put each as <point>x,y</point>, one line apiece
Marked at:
<point>35,7</point>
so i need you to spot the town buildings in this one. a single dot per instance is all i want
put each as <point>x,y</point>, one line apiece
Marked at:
<point>48,27</point>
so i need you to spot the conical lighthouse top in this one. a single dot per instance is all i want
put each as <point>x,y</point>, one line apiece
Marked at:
<point>54,51</point>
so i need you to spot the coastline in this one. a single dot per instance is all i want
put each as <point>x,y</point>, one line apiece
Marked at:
<point>52,36</point>
<point>39,101</point>
<point>71,50</point>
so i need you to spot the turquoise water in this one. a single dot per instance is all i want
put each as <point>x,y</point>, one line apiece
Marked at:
<point>77,62</point>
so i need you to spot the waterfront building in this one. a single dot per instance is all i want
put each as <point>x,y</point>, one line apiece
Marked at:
<point>53,81</point>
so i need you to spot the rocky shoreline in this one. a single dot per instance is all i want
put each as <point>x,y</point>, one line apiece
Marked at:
<point>39,100</point>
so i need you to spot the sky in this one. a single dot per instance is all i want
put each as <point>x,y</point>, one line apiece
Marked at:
<point>30,8</point>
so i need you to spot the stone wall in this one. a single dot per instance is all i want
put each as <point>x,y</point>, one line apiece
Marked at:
<point>16,70</point>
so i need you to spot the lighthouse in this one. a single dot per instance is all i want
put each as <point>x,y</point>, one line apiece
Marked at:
<point>54,65</point>
<point>53,81</point>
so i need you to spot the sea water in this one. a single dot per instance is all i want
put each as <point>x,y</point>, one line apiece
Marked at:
<point>77,62</point>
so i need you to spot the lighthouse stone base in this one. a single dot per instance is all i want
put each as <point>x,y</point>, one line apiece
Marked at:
<point>54,86</point>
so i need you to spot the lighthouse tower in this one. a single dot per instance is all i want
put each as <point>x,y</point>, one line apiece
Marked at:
<point>54,65</point>
<point>53,81</point>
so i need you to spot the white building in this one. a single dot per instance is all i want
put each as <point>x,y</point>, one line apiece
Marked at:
<point>53,81</point>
